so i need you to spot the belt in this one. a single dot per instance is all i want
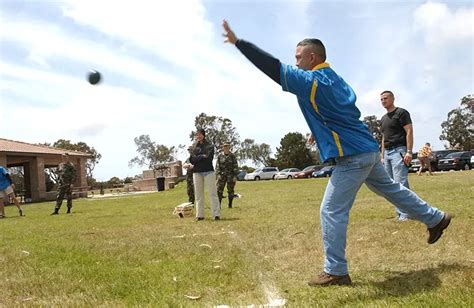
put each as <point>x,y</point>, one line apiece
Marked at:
<point>394,147</point>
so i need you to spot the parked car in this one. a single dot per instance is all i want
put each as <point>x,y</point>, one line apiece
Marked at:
<point>456,161</point>
<point>241,175</point>
<point>415,165</point>
<point>437,155</point>
<point>325,172</point>
<point>288,173</point>
<point>307,172</point>
<point>265,173</point>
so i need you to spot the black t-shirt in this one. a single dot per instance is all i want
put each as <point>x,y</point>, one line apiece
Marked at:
<point>392,128</point>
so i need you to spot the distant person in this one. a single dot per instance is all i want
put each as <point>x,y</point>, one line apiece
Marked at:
<point>7,191</point>
<point>67,177</point>
<point>189,177</point>
<point>397,143</point>
<point>203,174</point>
<point>424,156</point>
<point>227,170</point>
<point>328,105</point>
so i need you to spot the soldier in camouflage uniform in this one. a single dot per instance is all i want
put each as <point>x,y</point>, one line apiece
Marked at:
<point>189,177</point>
<point>226,171</point>
<point>67,176</point>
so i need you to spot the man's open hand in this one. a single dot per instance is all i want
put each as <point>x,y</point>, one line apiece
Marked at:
<point>229,34</point>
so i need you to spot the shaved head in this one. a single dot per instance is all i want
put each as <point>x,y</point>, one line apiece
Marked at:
<point>315,46</point>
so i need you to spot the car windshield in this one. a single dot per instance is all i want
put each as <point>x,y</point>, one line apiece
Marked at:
<point>285,170</point>
<point>327,168</point>
<point>442,153</point>
<point>308,168</point>
<point>258,170</point>
<point>453,155</point>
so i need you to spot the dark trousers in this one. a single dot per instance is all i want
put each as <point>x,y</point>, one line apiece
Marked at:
<point>190,187</point>
<point>64,190</point>
<point>221,182</point>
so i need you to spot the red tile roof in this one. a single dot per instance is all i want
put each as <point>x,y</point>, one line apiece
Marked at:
<point>11,146</point>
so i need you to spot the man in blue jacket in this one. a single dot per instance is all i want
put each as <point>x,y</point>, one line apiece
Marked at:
<point>7,191</point>
<point>328,106</point>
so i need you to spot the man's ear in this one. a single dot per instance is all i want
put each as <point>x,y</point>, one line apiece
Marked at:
<point>313,57</point>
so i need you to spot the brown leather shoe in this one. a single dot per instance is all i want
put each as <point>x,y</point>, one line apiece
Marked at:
<point>435,233</point>
<point>324,279</point>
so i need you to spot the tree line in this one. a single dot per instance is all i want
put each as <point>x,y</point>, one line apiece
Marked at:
<point>293,151</point>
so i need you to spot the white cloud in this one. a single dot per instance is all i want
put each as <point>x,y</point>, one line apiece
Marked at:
<point>213,78</point>
<point>46,43</point>
<point>175,30</point>
<point>439,23</point>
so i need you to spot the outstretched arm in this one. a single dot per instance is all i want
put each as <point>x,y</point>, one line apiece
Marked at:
<point>261,59</point>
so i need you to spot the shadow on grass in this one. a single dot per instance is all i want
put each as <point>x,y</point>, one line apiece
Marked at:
<point>229,218</point>
<point>402,284</point>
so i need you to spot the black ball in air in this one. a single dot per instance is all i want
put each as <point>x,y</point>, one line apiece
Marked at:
<point>94,77</point>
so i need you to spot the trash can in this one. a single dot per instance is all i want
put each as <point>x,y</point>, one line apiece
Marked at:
<point>160,183</point>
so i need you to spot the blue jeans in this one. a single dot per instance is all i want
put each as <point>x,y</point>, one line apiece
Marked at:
<point>397,170</point>
<point>347,178</point>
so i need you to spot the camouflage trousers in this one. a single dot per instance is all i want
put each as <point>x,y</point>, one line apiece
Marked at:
<point>190,187</point>
<point>222,180</point>
<point>64,190</point>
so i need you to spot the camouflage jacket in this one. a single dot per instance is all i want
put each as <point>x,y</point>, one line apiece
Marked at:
<point>189,171</point>
<point>66,173</point>
<point>227,165</point>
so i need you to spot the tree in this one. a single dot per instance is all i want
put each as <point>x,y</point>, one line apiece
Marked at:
<point>114,181</point>
<point>247,169</point>
<point>458,129</point>
<point>128,180</point>
<point>151,154</point>
<point>293,152</point>
<point>259,154</point>
<point>374,126</point>
<point>218,130</point>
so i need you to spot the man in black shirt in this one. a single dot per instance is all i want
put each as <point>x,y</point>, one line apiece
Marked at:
<point>397,142</point>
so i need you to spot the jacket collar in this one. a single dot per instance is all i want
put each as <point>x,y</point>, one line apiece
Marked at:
<point>320,66</point>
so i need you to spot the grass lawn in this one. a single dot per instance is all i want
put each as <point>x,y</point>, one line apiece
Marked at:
<point>129,251</point>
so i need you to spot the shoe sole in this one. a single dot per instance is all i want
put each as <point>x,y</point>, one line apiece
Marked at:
<point>444,224</point>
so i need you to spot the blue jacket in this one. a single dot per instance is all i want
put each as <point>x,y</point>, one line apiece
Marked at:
<point>5,179</point>
<point>328,106</point>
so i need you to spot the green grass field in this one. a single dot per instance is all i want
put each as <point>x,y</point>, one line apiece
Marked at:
<point>131,251</point>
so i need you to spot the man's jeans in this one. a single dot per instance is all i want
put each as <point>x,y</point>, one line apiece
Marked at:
<point>347,178</point>
<point>207,179</point>
<point>397,170</point>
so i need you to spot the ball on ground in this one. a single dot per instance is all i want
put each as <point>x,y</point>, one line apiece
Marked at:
<point>94,77</point>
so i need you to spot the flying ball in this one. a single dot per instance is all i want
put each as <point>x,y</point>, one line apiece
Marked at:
<point>94,77</point>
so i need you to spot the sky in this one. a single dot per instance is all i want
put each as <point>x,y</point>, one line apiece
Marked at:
<point>164,62</point>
